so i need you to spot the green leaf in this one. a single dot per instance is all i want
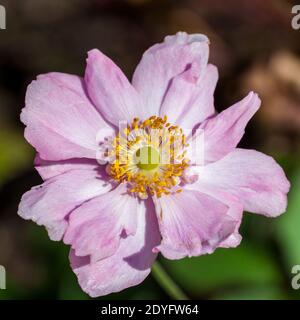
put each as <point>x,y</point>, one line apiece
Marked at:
<point>253,293</point>
<point>245,265</point>
<point>15,154</point>
<point>288,225</point>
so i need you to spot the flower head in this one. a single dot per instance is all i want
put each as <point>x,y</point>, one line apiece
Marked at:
<point>120,194</point>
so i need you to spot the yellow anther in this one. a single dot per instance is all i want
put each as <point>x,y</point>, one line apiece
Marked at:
<point>148,175</point>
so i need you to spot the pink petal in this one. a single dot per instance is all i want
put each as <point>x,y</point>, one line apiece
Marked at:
<point>256,179</point>
<point>110,90</point>
<point>235,212</point>
<point>164,61</point>
<point>61,123</point>
<point>129,266</point>
<point>223,132</point>
<point>96,227</point>
<point>189,101</point>
<point>49,169</point>
<point>193,223</point>
<point>50,203</point>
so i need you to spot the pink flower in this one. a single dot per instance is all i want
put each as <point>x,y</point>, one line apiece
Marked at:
<point>117,216</point>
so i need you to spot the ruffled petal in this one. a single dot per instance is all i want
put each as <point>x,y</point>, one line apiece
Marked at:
<point>61,123</point>
<point>189,101</point>
<point>235,211</point>
<point>221,134</point>
<point>96,227</point>
<point>110,90</point>
<point>253,177</point>
<point>50,169</point>
<point>130,264</point>
<point>193,223</point>
<point>51,203</point>
<point>164,61</point>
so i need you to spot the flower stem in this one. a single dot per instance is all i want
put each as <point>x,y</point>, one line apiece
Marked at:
<point>167,283</point>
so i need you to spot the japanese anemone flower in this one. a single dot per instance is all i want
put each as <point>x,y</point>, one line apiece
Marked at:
<point>119,204</point>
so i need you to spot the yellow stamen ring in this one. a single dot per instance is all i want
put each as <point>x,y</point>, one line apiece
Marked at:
<point>150,156</point>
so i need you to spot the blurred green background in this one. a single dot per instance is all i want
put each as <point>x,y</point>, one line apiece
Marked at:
<point>254,47</point>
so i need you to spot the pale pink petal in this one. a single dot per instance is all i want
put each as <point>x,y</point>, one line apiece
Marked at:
<point>129,266</point>
<point>50,203</point>
<point>193,223</point>
<point>61,123</point>
<point>164,61</point>
<point>189,101</point>
<point>48,169</point>
<point>235,211</point>
<point>256,179</point>
<point>96,227</point>
<point>224,131</point>
<point>110,90</point>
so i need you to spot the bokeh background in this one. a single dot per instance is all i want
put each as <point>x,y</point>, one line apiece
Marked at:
<point>254,47</point>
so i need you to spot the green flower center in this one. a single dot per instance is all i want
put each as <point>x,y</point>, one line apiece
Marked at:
<point>147,158</point>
